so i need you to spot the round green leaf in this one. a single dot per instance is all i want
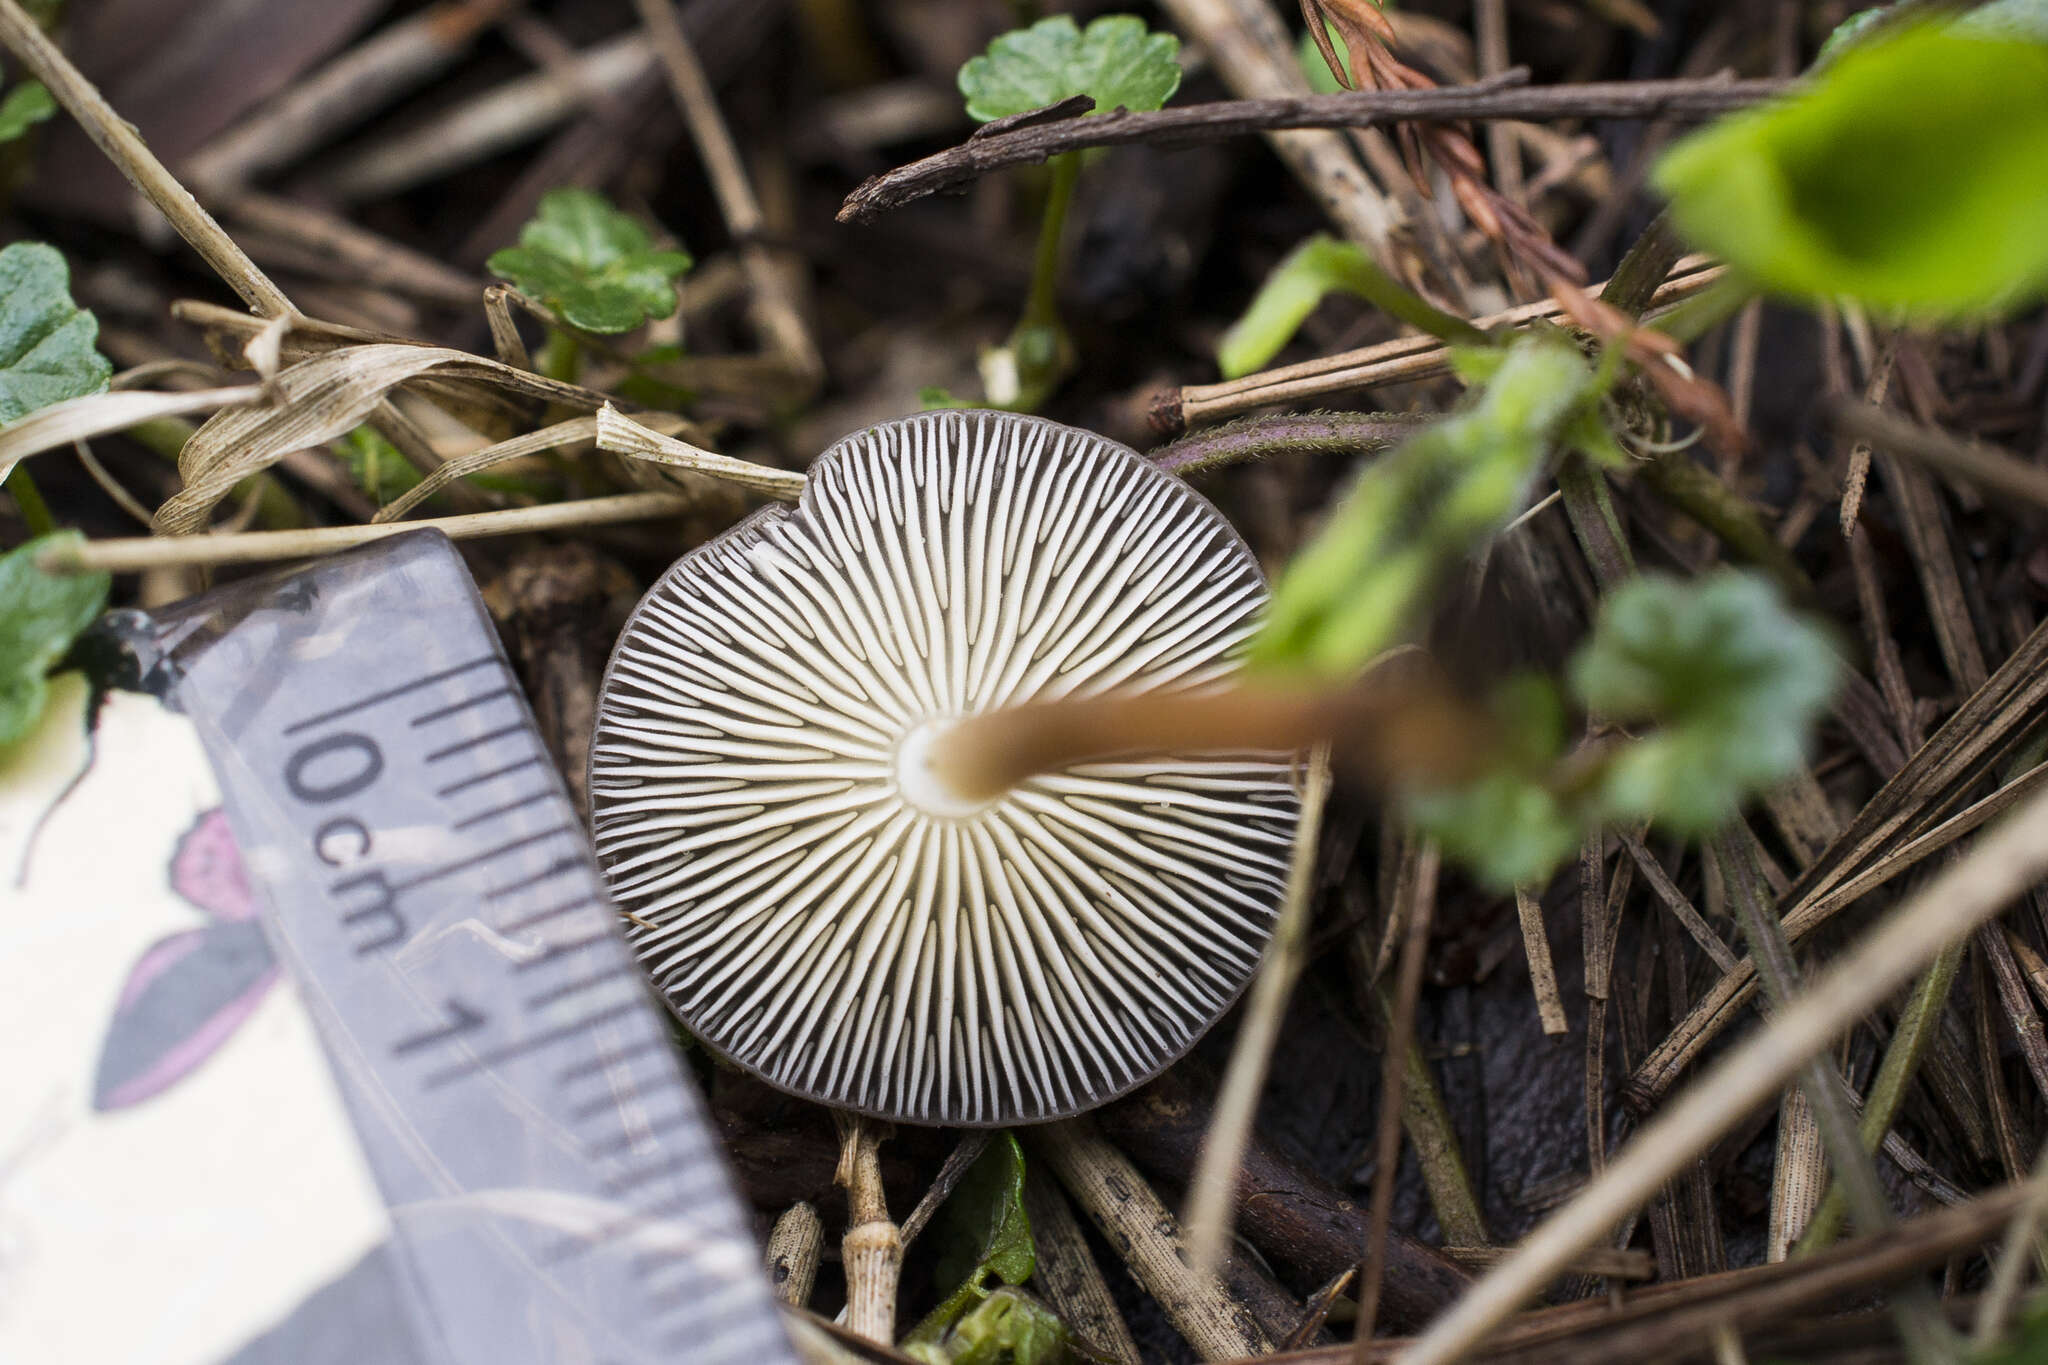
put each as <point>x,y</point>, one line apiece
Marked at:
<point>1912,175</point>
<point>1115,60</point>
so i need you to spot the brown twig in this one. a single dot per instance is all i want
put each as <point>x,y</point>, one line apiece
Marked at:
<point>1502,97</point>
<point>1401,360</point>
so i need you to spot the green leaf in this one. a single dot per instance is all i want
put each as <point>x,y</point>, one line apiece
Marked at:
<point>1009,1327</point>
<point>1732,678</point>
<point>46,341</point>
<point>984,1234</point>
<point>25,106</point>
<point>1418,511</point>
<point>592,264</point>
<point>40,615</point>
<point>1115,61</point>
<point>1912,175</point>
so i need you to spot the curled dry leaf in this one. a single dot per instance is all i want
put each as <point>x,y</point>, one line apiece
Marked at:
<point>316,401</point>
<point>578,431</point>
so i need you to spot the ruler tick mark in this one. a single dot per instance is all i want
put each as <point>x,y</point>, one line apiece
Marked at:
<point>485,1060</point>
<point>633,1179</point>
<point>481,699</point>
<point>495,811</point>
<point>599,1065</point>
<point>554,951</point>
<point>542,917</point>
<point>378,698</point>
<point>569,988</point>
<point>555,869</point>
<point>516,728</point>
<point>626,1142</point>
<point>466,783</point>
<point>489,855</point>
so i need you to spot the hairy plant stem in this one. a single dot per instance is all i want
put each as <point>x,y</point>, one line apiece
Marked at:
<point>28,500</point>
<point>1312,433</point>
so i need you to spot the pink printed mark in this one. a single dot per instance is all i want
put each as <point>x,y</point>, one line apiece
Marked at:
<point>207,869</point>
<point>188,993</point>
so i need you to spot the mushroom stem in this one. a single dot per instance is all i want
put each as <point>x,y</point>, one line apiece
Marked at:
<point>872,1250</point>
<point>1397,725</point>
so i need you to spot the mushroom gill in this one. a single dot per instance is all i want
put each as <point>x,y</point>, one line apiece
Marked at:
<point>819,910</point>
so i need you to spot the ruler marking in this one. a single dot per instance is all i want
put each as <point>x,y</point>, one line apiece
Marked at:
<point>627,1141</point>
<point>483,1060</point>
<point>556,869</point>
<point>491,776</point>
<point>553,951</point>
<point>496,811</point>
<point>446,711</point>
<point>564,991</point>
<point>618,1185</point>
<point>515,728</point>
<point>378,698</point>
<point>488,856</point>
<point>604,1063</point>
<point>542,917</point>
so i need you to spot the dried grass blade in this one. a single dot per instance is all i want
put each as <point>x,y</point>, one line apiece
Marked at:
<point>256,547</point>
<point>316,401</point>
<point>621,435</point>
<point>82,419</point>
<point>567,433</point>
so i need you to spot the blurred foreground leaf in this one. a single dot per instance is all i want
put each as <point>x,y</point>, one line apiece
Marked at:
<point>1912,176</point>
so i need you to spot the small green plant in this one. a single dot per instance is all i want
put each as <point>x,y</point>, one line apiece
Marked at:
<point>377,466</point>
<point>40,615</point>
<point>1314,270</point>
<point>1009,1327</point>
<point>986,1238</point>
<point>1912,175</point>
<point>1119,64</point>
<point>1725,684</point>
<point>1422,508</point>
<point>1727,680</point>
<point>592,266</point>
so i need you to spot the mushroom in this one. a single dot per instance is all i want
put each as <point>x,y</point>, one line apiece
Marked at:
<point>817,902</point>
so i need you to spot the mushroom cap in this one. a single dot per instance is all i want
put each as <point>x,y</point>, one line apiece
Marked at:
<point>819,921</point>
